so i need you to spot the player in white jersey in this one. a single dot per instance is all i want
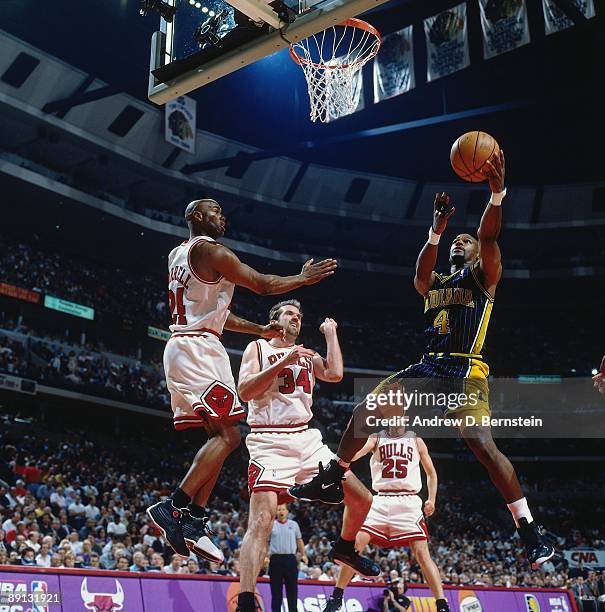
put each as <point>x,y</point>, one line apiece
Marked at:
<point>396,517</point>
<point>202,274</point>
<point>276,379</point>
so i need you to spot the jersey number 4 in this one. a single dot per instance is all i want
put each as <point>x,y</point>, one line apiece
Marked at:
<point>176,306</point>
<point>289,384</point>
<point>394,468</point>
<point>442,322</point>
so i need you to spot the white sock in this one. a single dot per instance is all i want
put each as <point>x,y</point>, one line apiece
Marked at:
<point>519,509</point>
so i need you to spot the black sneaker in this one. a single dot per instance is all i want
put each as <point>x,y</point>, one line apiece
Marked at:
<point>196,535</point>
<point>347,555</point>
<point>442,605</point>
<point>334,604</point>
<point>326,487</point>
<point>539,549</point>
<point>169,520</point>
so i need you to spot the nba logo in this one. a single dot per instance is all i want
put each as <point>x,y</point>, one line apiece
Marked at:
<point>39,586</point>
<point>531,603</point>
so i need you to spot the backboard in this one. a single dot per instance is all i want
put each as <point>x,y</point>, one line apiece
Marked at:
<point>208,39</point>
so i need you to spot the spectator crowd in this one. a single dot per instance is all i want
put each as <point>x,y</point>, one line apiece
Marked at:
<point>76,500</point>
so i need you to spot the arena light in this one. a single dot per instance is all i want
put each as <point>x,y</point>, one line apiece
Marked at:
<point>594,371</point>
<point>204,9</point>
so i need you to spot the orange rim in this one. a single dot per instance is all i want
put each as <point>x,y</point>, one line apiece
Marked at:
<point>353,23</point>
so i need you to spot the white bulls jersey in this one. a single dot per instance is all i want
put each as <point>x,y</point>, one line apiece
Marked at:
<point>289,399</point>
<point>195,303</point>
<point>395,464</point>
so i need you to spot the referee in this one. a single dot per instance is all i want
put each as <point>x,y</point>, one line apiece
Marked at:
<point>283,567</point>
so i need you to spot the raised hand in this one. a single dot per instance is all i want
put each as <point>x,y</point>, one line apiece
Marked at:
<point>328,326</point>
<point>599,378</point>
<point>495,170</point>
<point>314,272</point>
<point>442,211</point>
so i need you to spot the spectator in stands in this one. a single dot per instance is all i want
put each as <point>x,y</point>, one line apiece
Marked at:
<point>139,562</point>
<point>28,556</point>
<point>122,565</point>
<point>175,565</point>
<point>44,556</point>
<point>58,500</point>
<point>77,512</point>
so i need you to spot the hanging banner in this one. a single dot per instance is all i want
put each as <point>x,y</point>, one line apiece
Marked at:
<point>504,25</point>
<point>446,42</point>
<point>394,65</point>
<point>179,123</point>
<point>556,20</point>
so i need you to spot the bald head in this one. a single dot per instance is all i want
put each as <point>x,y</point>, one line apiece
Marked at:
<point>205,217</point>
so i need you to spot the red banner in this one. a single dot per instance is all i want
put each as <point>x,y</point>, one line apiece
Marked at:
<point>21,294</point>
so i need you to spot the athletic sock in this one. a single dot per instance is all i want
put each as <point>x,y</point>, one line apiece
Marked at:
<point>196,511</point>
<point>519,509</point>
<point>338,593</point>
<point>343,464</point>
<point>245,601</point>
<point>179,498</point>
<point>345,545</point>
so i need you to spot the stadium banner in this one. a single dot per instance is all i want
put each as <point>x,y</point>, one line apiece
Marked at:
<point>78,591</point>
<point>504,25</point>
<point>446,42</point>
<point>592,558</point>
<point>18,384</point>
<point>158,334</point>
<point>556,20</point>
<point>394,65</point>
<point>77,310</point>
<point>19,293</point>
<point>180,123</point>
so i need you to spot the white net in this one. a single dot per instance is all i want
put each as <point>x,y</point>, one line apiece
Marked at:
<point>330,61</point>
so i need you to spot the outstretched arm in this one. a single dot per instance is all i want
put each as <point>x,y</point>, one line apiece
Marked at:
<point>425,277</point>
<point>242,326</point>
<point>368,447</point>
<point>490,260</point>
<point>431,476</point>
<point>330,369</point>
<point>224,261</point>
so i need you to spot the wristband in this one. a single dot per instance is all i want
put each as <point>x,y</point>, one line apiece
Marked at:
<point>496,198</point>
<point>433,237</point>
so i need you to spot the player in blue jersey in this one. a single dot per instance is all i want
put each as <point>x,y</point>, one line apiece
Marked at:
<point>457,308</point>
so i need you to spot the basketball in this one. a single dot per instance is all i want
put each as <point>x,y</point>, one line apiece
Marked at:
<point>469,154</point>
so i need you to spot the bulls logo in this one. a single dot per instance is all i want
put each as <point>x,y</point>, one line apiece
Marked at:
<point>221,403</point>
<point>102,602</point>
<point>254,472</point>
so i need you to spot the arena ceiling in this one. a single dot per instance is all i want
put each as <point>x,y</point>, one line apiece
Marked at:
<point>552,133</point>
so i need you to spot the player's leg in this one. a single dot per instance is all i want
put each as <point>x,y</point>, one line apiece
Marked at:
<point>502,473</point>
<point>345,576</point>
<point>326,486</point>
<point>263,507</point>
<point>201,477</point>
<point>420,550</point>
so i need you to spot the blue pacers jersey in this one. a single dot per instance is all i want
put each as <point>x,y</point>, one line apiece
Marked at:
<point>457,310</point>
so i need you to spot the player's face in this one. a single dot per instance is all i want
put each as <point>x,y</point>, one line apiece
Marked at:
<point>464,246</point>
<point>212,218</point>
<point>290,319</point>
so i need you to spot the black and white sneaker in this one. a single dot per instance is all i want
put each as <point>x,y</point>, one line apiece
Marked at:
<point>196,535</point>
<point>539,549</point>
<point>344,554</point>
<point>442,605</point>
<point>334,604</point>
<point>169,521</point>
<point>326,487</point>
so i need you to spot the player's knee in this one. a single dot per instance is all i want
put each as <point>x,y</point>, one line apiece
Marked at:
<point>231,437</point>
<point>261,523</point>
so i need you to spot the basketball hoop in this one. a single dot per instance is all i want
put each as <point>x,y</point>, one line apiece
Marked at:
<point>330,61</point>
